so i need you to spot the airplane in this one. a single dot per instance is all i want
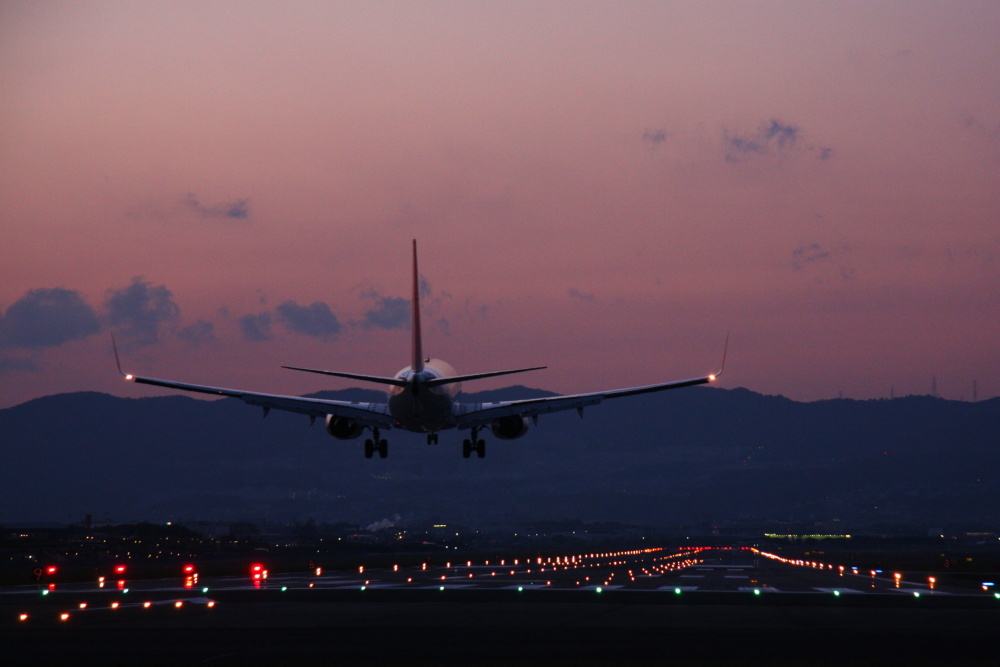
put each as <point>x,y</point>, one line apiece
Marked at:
<point>422,398</point>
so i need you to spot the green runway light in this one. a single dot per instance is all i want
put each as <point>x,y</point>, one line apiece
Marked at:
<point>916,594</point>
<point>677,591</point>
<point>205,589</point>
<point>441,588</point>
<point>284,588</point>
<point>45,592</point>
<point>836,594</point>
<point>599,589</point>
<point>756,591</point>
<point>362,588</point>
<point>520,588</point>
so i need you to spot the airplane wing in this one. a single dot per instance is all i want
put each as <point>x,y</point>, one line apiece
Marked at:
<point>468,415</point>
<point>477,415</point>
<point>367,414</point>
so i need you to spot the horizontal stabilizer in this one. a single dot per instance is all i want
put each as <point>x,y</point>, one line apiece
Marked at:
<point>353,376</point>
<point>478,376</point>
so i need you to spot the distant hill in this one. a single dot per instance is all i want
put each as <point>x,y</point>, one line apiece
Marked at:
<point>693,455</point>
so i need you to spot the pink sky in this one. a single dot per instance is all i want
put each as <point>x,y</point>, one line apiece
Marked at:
<point>604,188</point>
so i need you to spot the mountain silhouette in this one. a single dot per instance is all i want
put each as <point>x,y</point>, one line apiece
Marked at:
<point>695,455</point>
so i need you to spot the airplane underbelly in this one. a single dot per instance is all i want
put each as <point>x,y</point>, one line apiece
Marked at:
<point>428,411</point>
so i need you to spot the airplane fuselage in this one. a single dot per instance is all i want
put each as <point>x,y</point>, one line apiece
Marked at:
<point>423,409</point>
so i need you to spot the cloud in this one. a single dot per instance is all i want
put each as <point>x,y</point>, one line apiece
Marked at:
<point>390,312</point>
<point>424,286</point>
<point>140,311</point>
<point>654,137</point>
<point>770,137</point>
<point>807,254</point>
<point>822,264</point>
<point>783,134</point>
<point>586,297</point>
<point>47,317</point>
<point>738,146</point>
<point>314,320</point>
<point>16,365</point>
<point>444,326</point>
<point>238,209</point>
<point>199,332</point>
<point>256,327</point>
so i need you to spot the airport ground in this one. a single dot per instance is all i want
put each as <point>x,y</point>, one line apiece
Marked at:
<point>647,606</point>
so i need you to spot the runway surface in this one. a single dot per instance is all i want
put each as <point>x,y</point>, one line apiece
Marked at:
<point>653,606</point>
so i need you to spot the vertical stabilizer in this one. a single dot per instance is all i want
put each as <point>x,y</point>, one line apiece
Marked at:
<point>417,363</point>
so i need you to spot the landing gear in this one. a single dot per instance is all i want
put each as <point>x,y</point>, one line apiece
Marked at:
<point>474,445</point>
<point>432,438</point>
<point>376,444</point>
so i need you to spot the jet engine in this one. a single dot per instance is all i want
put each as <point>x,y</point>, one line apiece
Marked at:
<point>343,428</point>
<point>508,428</point>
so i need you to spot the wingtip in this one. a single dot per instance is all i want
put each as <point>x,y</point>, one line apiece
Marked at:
<point>118,363</point>
<point>722,366</point>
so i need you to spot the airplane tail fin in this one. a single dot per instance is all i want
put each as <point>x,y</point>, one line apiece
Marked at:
<point>418,355</point>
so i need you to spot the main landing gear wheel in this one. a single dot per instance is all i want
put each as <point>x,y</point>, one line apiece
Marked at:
<point>477,446</point>
<point>376,444</point>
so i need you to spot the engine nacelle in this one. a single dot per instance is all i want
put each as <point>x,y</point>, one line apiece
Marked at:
<point>508,428</point>
<point>343,428</point>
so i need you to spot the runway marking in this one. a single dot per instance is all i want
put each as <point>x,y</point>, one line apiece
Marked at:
<point>736,576</point>
<point>683,589</point>
<point>762,589</point>
<point>692,576</point>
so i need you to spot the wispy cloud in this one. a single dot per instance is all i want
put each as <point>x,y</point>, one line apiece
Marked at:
<point>654,137</point>
<point>585,297</point>
<point>238,209</point>
<point>820,264</point>
<point>807,254</point>
<point>772,137</point>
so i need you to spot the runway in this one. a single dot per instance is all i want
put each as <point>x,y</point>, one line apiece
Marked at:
<point>689,606</point>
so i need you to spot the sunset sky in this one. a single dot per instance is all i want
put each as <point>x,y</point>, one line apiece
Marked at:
<point>604,188</point>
